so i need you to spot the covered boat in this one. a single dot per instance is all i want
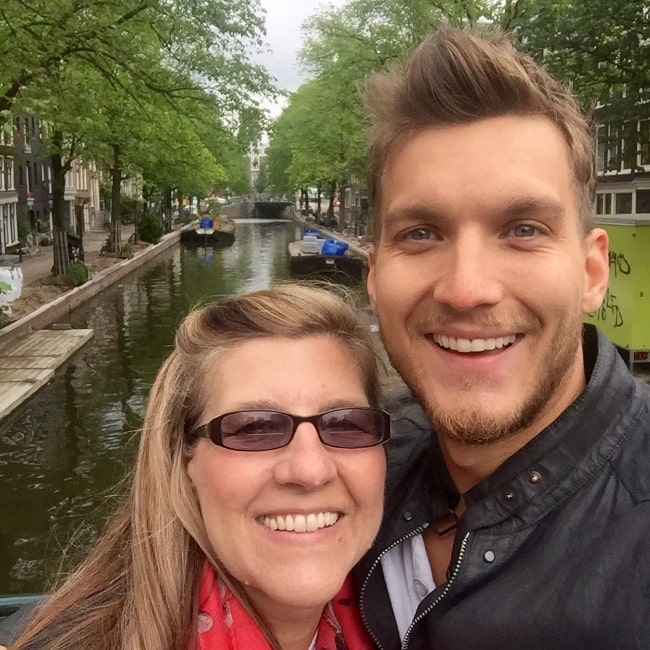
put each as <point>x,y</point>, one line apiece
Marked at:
<point>212,231</point>
<point>330,258</point>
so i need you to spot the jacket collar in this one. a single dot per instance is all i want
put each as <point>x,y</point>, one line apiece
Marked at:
<point>552,465</point>
<point>568,452</point>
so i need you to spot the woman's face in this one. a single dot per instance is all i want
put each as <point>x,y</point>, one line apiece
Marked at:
<point>244,496</point>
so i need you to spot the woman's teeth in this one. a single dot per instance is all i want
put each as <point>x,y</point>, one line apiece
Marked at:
<point>474,345</point>
<point>301,523</point>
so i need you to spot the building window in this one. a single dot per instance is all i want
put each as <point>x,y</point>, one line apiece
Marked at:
<point>629,145</point>
<point>9,173</point>
<point>603,203</point>
<point>10,227</point>
<point>614,148</point>
<point>13,225</point>
<point>624,203</point>
<point>643,201</point>
<point>6,134</point>
<point>644,141</point>
<point>602,149</point>
<point>2,173</point>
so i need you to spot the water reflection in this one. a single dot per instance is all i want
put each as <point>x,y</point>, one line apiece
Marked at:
<point>64,451</point>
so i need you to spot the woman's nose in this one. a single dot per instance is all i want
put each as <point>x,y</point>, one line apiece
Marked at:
<point>305,461</point>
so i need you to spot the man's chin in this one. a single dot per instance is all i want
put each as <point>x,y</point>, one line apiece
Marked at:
<point>475,429</point>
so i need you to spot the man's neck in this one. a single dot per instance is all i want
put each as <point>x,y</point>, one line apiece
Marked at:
<point>470,464</point>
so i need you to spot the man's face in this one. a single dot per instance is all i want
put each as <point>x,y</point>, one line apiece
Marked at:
<point>481,275</point>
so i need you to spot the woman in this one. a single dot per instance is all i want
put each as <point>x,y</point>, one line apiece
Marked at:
<point>258,485</point>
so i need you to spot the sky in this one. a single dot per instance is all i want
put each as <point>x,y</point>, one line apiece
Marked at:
<point>284,19</point>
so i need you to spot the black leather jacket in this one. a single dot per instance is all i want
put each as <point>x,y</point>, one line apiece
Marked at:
<point>553,551</point>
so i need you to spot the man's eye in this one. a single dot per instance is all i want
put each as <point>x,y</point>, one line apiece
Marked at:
<point>524,230</point>
<point>419,234</point>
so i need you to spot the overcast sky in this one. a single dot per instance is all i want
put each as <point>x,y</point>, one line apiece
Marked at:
<point>283,21</point>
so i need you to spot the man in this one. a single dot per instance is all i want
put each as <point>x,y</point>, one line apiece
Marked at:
<point>522,520</point>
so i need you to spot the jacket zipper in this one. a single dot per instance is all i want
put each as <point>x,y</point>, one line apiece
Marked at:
<point>417,619</point>
<point>373,566</point>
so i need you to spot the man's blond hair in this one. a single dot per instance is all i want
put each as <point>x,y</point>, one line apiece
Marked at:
<point>460,76</point>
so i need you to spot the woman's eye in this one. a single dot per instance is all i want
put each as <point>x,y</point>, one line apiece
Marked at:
<point>524,230</point>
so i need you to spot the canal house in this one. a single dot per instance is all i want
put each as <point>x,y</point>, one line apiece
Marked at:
<point>622,208</point>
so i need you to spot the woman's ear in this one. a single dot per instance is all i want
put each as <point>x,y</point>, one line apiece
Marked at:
<point>596,270</point>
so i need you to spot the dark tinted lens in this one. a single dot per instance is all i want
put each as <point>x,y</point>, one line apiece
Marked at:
<point>255,430</point>
<point>353,428</point>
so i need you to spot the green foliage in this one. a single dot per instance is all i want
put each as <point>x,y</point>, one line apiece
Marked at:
<point>127,251</point>
<point>4,287</point>
<point>77,275</point>
<point>117,38</point>
<point>320,138</point>
<point>128,208</point>
<point>262,180</point>
<point>150,228</point>
<point>170,85</point>
<point>601,48</point>
<point>23,228</point>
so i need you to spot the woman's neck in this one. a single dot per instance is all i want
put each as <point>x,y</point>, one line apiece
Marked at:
<point>293,627</point>
<point>295,639</point>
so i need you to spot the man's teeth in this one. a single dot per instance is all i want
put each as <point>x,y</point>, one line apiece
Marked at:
<point>473,345</point>
<point>302,523</point>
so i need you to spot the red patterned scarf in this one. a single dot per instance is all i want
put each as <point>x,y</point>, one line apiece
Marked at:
<point>224,624</point>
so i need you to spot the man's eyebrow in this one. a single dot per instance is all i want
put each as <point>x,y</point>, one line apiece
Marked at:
<point>512,208</point>
<point>412,212</point>
<point>525,206</point>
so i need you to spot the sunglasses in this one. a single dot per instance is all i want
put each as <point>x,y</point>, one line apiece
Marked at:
<point>261,430</point>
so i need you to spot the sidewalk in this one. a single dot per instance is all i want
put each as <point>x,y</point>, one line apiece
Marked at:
<point>38,264</point>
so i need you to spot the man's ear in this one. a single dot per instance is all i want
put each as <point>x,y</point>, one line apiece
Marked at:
<point>370,280</point>
<point>596,270</point>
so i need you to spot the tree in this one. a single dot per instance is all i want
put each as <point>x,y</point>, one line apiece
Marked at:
<point>320,138</point>
<point>279,155</point>
<point>116,79</point>
<point>206,41</point>
<point>600,47</point>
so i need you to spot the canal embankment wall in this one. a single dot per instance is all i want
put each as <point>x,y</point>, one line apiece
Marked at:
<point>60,307</point>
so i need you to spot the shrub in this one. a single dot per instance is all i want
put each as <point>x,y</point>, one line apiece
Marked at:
<point>127,251</point>
<point>150,228</point>
<point>128,208</point>
<point>77,275</point>
<point>23,228</point>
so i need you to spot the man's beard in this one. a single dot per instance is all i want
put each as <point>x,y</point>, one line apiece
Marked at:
<point>474,426</point>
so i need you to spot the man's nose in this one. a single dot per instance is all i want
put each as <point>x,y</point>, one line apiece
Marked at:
<point>469,276</point>
<point>305,461</point>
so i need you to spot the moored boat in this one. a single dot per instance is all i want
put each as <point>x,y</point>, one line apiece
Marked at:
<point>215,232</point>
<point>312,256</point>
<point>11,604</point>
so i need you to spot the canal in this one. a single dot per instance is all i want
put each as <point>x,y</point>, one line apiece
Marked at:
<point>64,452</point>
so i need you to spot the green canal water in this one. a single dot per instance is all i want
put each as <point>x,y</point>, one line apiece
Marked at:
<point>64,453</point>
